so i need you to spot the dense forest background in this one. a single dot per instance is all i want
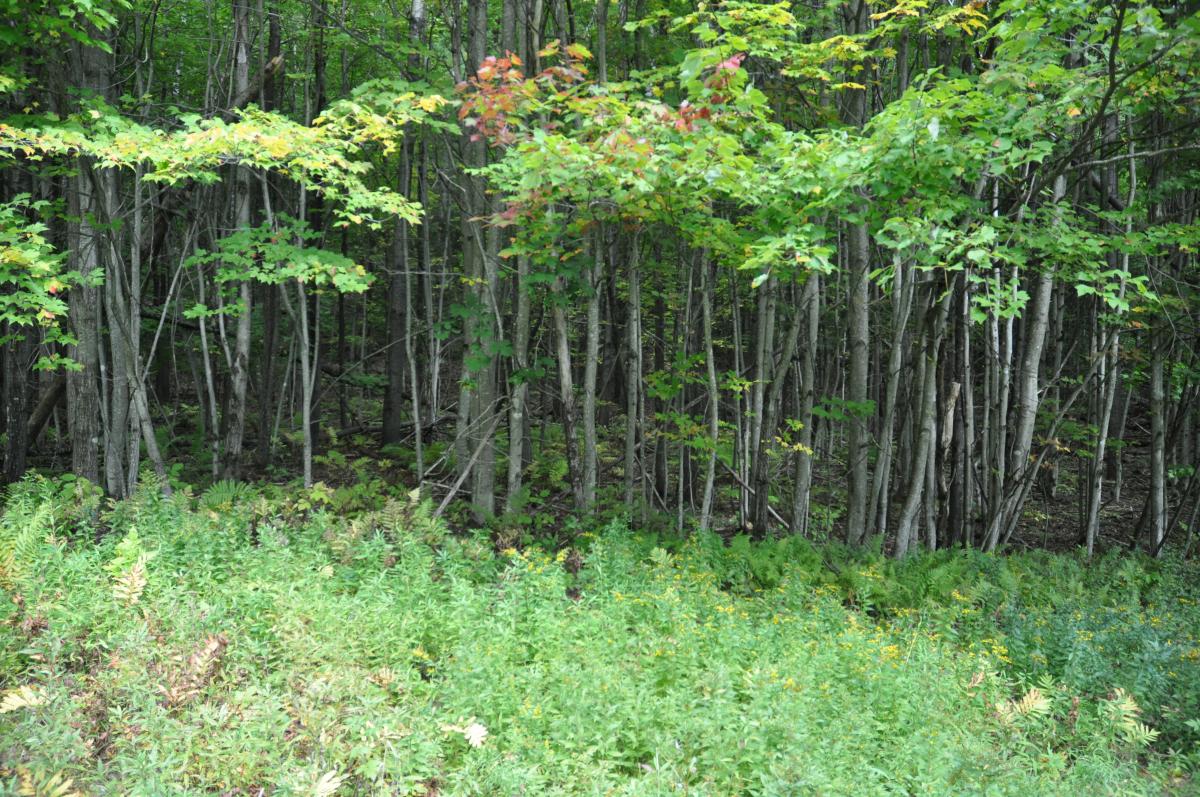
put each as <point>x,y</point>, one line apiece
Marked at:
<point>921,273</point>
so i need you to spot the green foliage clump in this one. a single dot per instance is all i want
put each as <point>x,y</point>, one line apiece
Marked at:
<point>196,651</point>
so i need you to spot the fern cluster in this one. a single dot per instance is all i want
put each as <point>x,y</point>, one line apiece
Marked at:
<point>195,650</point>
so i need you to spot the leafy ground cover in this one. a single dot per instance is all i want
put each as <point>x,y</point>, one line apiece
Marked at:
<point>235,645</point>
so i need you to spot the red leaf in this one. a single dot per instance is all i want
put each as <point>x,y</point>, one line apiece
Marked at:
<point>732,63</point>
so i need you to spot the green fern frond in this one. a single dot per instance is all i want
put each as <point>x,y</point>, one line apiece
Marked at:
<point>225,494</point>
<point>24,531</point>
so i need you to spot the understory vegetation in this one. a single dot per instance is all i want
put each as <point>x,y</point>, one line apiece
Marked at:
<point>242,642</point>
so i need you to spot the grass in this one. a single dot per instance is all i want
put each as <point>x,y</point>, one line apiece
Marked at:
<point>241,646</point>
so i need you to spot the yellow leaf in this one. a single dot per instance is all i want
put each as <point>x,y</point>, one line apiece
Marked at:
<point>579,52</point>
<point>276,146</point>
<point>22,697</point>
<point>328,783</point>
<point>431,103</point>
<point>56,786</point>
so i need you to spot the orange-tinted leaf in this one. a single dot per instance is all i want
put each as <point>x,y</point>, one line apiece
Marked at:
<point>578,52</point>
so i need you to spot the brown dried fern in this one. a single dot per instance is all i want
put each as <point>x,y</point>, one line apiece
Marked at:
<point>196,673</point>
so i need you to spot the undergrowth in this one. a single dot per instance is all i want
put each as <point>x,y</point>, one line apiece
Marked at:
<point>244,644</point>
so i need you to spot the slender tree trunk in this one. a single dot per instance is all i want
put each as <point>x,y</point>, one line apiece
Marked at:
<point>602,40</point>
<point>410,347</point>
<point>1158,446</point>
<point>83,248</point>
<point>239,366</point>
<point>518,385</point>
<point>682,336</point>
<point>433,341</point>
<point>481,243</point>
<point>902,293</point>
<point>307,353</point>
<point>634,402</point>
<point>1116,459</point>
<point>1010,498</point>
<point>129,415</point>
<point>802,495</point>
<point>661,477</point>
<point>267,387</point>
<point>927,423</point>
<point>400,348</point>
<point>210,390</point>
<point>967,438</point>
<point>858,443</point>
<point>398,301</point>
<point>1109,377</point>
<point>714,396</point>
<point>858,328</point>
<point>566,387</point>
<point>18,363</point>
<point>741,405</point>
<point>18,357</point>
<point>761,473</point>
<point>116,312</point>
<point>590,443</point>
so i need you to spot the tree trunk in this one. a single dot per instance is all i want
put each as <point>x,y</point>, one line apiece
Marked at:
<point>714,397</point>
<point>239,366</point>
<point>802,494</point>
<point>927,424</point>
<point>590,443</point>
<point>1158,446</point>
<point>761,474</point>
<point>83,249</point>
<point>902,295</point>
<point>857,494</point>
<point>396,359</point>
<point>634,402</point>
<point>566,386</point>
<point>518,385</point>
<point>1010,498</point>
